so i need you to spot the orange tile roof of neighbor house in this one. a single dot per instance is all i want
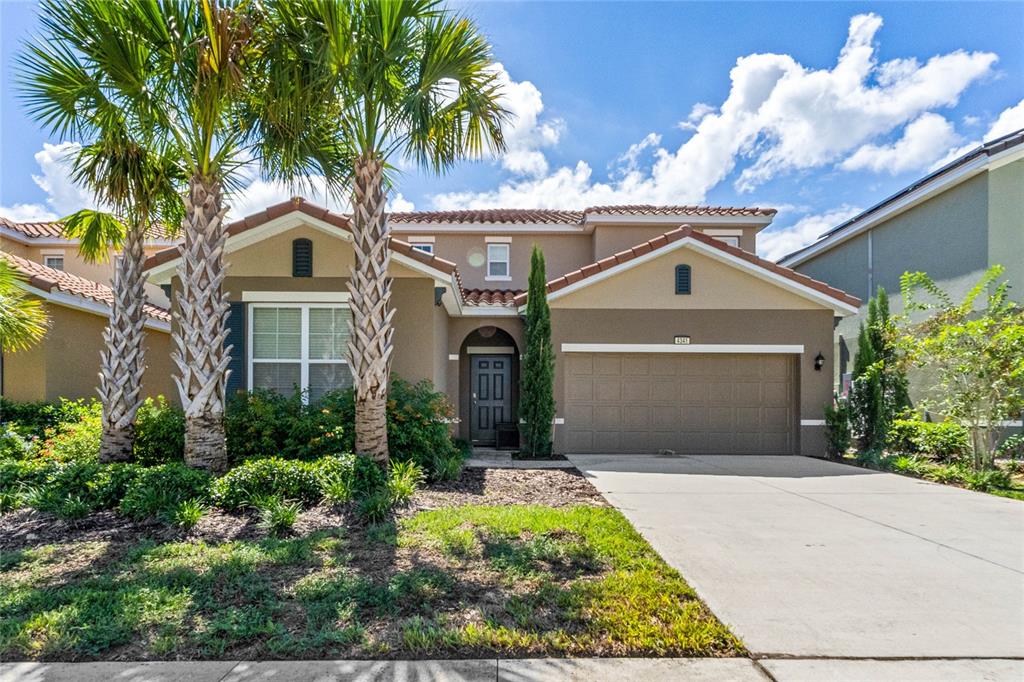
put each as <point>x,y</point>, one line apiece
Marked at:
<point>502,297</point>
<point>49,279</point>
<point>55,230</point>
<point>682,233</point>
<point>560,217</point>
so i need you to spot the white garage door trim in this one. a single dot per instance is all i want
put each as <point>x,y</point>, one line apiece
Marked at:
<point>673,348</point>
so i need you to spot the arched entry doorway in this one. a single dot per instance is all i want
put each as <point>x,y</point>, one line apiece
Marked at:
<point>489,362</point>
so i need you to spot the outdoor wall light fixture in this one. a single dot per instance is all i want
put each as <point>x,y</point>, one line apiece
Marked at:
<point>819,362</point>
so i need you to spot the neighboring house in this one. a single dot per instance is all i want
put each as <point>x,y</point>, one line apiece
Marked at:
<point>669,333</point>
<point>77,299</point>
<point>953,224</point>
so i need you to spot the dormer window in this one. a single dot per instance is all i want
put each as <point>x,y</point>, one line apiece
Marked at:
<point>683,280</point>
<point>302,258</point>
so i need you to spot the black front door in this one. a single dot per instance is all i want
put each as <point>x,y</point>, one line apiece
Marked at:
<point>490,381</point>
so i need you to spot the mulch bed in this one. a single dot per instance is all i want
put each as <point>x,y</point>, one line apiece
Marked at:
<point>25,528</point>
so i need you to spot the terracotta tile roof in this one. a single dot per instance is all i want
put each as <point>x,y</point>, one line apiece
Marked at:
<point>491,215</point>
<point>562,217</point>
<point>651,210</point>
<point>502,297</point>
<point>682,233</point>
<point>55,230</point>
<point>48,279</point>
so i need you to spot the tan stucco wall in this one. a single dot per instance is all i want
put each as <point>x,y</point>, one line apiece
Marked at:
<point>611,239</point>
<point>102,272</point>
<point>809,328</point>
<point>420,337</point>
<point>66,363</point>
<point>715,285</point>
<point>562,253</point>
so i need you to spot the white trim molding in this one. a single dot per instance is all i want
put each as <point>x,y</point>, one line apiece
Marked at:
<point>497,240</point>
<point>453,357</point>
<point>489,350</point>
<point>295,297</point>
<point>812,422</point>
<point>421,239</point>
<point>673,348</point>
<point>87,305</point>
<point>723,233</point>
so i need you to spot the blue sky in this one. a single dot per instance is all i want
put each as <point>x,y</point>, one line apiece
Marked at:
<point>818,109</point>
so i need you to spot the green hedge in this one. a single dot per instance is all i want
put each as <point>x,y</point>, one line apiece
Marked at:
<point>943,441</point>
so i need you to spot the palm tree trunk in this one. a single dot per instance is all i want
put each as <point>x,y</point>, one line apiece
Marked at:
<point>370,343</point>
<point>199,350</point>
<point>122,360</point>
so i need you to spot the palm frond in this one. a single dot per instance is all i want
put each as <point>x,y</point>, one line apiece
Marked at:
<point>22,319</point>
<point>96,231</point>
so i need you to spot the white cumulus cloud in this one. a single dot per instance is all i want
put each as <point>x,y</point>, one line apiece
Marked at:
<point>923,141</point>
<point>526,131</point>
<point>778,241</point>
<point>779,116</point>
<point>63,196</point>
<point>1009,120</point>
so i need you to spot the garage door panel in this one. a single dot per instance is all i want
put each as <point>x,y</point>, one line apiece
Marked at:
<point>714,403</point>
<point>636,390</point>
<point>636,365</point>
<point>666,390</point>
<point>579,388</point>
<point>605,365</point>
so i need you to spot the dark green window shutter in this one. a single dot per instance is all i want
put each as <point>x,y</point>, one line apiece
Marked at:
<point>237,380</point>
<point>682,279</point>
<point>166,288</point>
<point>302,258</point>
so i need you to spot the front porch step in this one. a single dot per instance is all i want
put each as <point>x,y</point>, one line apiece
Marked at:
<point>489,458</point>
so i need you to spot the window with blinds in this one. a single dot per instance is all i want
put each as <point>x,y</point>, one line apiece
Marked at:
<point>299,346</point>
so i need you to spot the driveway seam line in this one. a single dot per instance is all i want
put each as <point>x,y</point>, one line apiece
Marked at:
<point>763,670</point>
<point>870,520</point>
<point>230,670</point>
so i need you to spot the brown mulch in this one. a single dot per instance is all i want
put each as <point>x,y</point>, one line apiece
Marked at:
<point>25,528</point>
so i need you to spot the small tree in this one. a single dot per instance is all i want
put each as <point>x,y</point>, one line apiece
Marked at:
<point>975,355</point>
<point>879,392</point>
<point>536,393</point>
<point>866,406</point>
<point>837,428</point>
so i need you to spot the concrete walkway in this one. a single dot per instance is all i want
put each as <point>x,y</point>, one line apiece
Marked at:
<point>527,670</point>
<point>808,558</point>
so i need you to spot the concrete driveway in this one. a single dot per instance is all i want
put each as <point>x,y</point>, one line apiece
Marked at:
<point>803,557</point>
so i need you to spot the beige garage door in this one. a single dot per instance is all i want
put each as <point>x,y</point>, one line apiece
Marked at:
<point>689,403</point>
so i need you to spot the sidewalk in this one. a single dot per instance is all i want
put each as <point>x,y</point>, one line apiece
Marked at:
<point>523,670</point>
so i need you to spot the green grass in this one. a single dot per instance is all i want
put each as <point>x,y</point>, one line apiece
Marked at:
<point>460,582</point>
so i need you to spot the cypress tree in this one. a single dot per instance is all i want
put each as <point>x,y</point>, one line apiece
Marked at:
<point>866,409</point>
<point>536,390</point>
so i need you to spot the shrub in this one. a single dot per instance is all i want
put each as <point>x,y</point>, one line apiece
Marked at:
<point>158,491</point>
<point>159,432</point>
<point>64,488</point>
<point>76,439</point>
<point>404,480</point>
<point>944,441</point>
<point>277,516</point>
<point>1012,447</point>
<point>837,428</point>
<point>449,467</point>
<point>368,478</point>
<point>188,514</point>
<point>14,445</point>
<point>375,507</point>
<point>984,481</point>
<point>34,418</point>
<point>417,423</point>
<point>288,479</point>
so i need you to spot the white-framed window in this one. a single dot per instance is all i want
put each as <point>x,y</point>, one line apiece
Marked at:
<point>731,241</point>
<point>55,261</point>
<point>424,247</point>
<point>299,345</point>
<point>498,261</point>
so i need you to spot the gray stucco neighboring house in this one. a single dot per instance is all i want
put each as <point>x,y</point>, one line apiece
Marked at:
<point>953,224</point>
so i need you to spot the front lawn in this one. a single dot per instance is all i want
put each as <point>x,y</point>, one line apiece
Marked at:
<point>507,563</point>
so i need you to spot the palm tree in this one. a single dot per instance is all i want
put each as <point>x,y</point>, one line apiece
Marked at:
<point>142,186</point>
<point>22,319</point>
<point>411,79</point>
<point>182,76</point>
